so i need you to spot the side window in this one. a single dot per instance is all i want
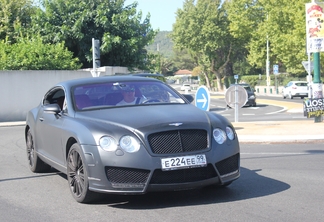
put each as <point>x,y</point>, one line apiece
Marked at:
<point>55,96</point>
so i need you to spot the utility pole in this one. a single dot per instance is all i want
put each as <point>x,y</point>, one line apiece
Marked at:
<point>158,49</point>
<point>268,62</point>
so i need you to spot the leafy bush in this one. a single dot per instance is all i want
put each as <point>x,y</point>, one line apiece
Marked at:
<point>32,54</point>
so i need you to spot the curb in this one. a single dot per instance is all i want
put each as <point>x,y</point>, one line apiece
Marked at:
<point>280,138</point>
<point>18,123</point>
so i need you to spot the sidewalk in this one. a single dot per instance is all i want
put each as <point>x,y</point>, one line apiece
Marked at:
<point>280,131</point>
<point>18,123</point>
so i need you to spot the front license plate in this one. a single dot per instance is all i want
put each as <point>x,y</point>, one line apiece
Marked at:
<point>175,163</point>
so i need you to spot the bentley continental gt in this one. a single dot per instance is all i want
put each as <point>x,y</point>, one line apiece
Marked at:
<point>129,135</point>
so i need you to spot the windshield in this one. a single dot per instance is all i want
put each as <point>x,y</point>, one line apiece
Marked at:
<point>116,94</point>
<point>301,84</point>
<point>247,88</point>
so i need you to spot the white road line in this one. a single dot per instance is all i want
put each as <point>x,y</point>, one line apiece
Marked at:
<point>279,111</point>
<point>275,153</point>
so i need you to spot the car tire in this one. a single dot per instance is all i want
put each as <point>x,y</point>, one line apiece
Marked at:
<point>254,104</point>
<point>35,164</point>
<point>77,176</point>
<point>283,96</point>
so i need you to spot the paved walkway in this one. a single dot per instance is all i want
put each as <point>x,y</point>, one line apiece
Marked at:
<point>280,131</point>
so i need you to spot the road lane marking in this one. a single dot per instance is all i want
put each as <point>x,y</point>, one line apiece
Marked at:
<point>304,153</point>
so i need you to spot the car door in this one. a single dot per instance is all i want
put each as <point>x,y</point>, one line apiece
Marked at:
<point>287,89</point>
<point>49,127</point>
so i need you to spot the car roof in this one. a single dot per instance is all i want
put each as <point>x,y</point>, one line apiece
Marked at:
<point>93,80</point>
<point>147,74</point>
<point>241,84</point>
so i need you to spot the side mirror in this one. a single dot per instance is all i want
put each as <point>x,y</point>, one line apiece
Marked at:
<point>190,98</point>
<point>52,108</point>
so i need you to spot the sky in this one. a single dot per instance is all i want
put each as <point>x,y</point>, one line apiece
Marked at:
<point>162,12</point>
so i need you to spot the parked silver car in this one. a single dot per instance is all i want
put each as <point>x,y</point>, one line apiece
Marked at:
<point>295,89</point>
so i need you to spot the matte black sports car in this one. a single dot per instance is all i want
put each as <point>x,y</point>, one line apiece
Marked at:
<point>129,135</point>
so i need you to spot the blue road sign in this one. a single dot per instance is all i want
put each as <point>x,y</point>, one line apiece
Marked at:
<point>275,69</point>
<point>202,98</point>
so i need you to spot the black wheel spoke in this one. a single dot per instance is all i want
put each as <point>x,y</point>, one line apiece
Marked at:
<point>36,165</point>
<point>78,176</point>
<point>30,149</point>
<point>75,173</point>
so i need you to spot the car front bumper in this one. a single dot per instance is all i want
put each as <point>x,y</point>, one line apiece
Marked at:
<point>111,174</point>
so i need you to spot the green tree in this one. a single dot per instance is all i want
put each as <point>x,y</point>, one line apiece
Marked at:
<point>33,54</point>
<point>15,18</point>
<point>282,22</point>
<point>156,63</point>
<point>202,28</point>
<point>183,60</point>
<point>120,29</point>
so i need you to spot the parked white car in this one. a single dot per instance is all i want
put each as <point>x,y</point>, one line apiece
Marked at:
<point>295,89</point>
<point>185,87</point>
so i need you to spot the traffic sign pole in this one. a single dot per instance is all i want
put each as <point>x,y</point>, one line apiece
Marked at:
<point>317,83</point>
<point>236,97</point>
<point>236,104</point>
<point>276,72</point>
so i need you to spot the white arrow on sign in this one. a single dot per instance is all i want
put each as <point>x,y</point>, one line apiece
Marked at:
<point>204,100</point>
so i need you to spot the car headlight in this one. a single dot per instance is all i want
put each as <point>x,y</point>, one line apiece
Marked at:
<point>108,143</point>
<point>219,135</point>
<point>230,133</point>
<point>129,144</point>
<point>252,97</point>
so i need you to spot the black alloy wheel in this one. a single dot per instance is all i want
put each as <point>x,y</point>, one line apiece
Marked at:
<point>78,176</point>
<point>35,164</point>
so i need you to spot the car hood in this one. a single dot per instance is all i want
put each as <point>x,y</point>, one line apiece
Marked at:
<point>150,117</point>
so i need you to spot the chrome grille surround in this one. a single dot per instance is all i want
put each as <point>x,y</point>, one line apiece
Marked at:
<point>178,141</point>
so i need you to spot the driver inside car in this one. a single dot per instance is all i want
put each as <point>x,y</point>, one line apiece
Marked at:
<point>129,96</point>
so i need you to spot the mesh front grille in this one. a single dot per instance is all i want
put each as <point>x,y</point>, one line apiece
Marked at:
<point>117,175</point>
<point>183,176</point>
<point>228,165</point>
<point>178,141</point>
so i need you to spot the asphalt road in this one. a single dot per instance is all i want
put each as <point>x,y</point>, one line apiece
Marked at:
<point>279,182</point>
<point>264,111</point>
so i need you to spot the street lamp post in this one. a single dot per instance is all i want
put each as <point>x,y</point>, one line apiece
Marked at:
<point>268,65</point>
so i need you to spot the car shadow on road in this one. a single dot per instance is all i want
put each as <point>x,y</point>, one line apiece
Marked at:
<point>249,185</point>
